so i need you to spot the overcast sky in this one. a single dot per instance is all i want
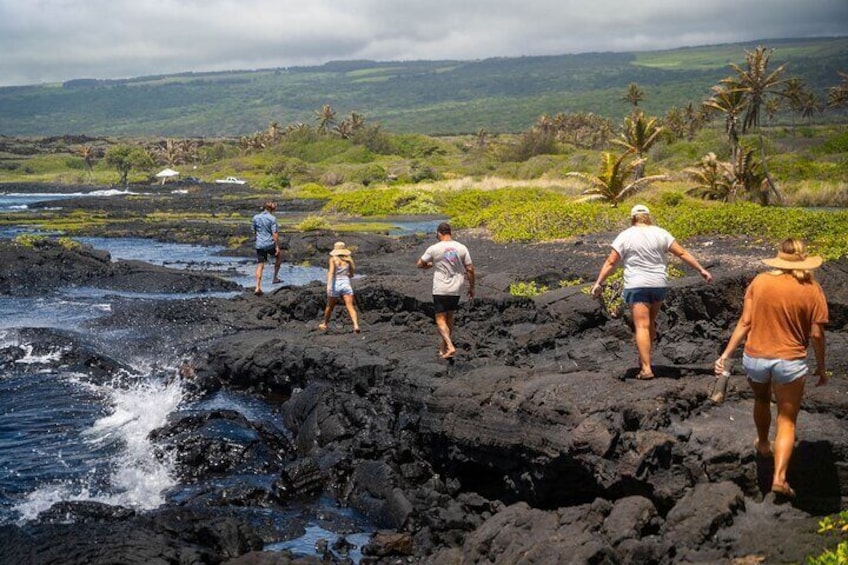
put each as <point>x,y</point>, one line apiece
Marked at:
<point>56,40</point>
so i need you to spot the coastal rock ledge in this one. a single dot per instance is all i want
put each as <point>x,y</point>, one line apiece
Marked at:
<point>536,445</point>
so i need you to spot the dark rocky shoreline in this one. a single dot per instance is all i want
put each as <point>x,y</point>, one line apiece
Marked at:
<point>535,445</point>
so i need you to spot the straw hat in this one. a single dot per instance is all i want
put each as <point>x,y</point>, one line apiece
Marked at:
<point>794,261</point>
<point>339,249</point>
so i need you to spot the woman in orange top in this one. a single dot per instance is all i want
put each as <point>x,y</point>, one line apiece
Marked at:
<point>784,311</point>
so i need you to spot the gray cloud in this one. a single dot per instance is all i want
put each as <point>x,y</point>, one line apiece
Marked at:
<point>55,40</point>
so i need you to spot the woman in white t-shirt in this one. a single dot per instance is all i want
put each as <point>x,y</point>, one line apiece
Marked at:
<point>644,248</point>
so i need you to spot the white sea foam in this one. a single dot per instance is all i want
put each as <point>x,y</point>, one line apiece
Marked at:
<point>52,356</point>
<point>136,478</point>
<point>104,192</point>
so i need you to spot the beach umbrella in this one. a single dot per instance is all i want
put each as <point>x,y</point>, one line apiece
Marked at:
<point>166,174</point>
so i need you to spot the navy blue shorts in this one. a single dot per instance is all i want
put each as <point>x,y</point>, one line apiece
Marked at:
<point>445,303</point>
<point>263,254</point>
<point>644,295</point>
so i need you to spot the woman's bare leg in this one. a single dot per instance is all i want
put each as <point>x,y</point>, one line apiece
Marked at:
<point>328,311</point>
<point>642,327</point>
<point>788,405</point>
<point>762,415</point>
<point>351,309</point>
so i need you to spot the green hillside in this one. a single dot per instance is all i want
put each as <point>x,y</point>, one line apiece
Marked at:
<point>431,97</point>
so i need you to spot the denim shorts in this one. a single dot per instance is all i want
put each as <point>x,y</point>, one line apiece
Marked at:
<point>341,288</point>
<point>644,295</point>
<point>780,371</point>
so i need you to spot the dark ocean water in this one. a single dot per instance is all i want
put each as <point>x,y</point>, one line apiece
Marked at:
<point>66,435</point>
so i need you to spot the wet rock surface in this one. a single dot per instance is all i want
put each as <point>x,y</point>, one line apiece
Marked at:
<point>536,444</point>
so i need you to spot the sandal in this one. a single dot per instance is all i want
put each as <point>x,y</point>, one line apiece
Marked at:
<point>644,376</point>
<point>783,491</point>
<point>322,327</point>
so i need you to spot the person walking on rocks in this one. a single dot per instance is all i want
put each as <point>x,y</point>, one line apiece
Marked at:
<point>267,243</point>
<point>339,272</point>
<point>452,265</point>
<point>784,311</point>
<point>644,248</point>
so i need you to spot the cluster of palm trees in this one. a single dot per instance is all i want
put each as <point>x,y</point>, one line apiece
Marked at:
<point>584,130</point>
<point>742,99</point>
<point>326,124</point>
<point>173,152</point>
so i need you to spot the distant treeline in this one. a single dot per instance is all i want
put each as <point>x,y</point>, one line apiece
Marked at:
<point>430,97</point>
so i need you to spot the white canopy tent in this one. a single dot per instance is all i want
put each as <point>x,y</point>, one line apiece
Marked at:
<point>166,174</point>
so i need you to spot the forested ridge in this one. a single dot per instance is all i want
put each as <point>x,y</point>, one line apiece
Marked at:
<point>431,97</point>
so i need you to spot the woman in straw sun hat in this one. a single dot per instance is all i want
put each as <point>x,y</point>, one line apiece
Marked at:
<point>339,272</point>
<point>784,311</point>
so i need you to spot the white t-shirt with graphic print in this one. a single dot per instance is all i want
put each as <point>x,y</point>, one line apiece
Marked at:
<point>449,260</point>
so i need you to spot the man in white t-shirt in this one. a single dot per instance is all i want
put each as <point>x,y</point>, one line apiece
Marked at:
<point>643,247</point>
<point>452,264</point>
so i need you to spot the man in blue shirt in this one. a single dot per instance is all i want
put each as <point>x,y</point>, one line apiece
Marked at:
<point>267,243</point>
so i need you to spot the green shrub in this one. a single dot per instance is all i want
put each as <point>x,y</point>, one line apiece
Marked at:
<point>836,144</point>
<point>370,202</point>
<point>671,199</point>
<point>829,526</point>
<point>313,190</point>
<point>69,244</point>
<point>612,293</point>
<point>313,223</point>
<point>367,174</point>
<point>527,289</point>
<point>513,214</point>
<point>30,240</point>
<point>415,146</point>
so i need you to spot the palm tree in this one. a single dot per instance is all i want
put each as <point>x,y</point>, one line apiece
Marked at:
<point>757,83</point>
<point>326,118</point>
<point>273,131</point>
<point>772,108</point>
<point>634,94</point>
<point>481,140</point>
<point>189,150</point>
<point>297,127</point>
<point>357,121</point>
<point>731,102</point>
<point>612,185</point>
<point>638,136</point>
<point>343,129</point>
<point>793,91</point>
<point>545,124</point>
<point>750,177</point>
<point>87,154</point>
<point>715,179</point>
<point>674,123</point>
<point>810,106</point>
<point>695,118</point>
<point>169,153</point>
<point>837,96</point>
